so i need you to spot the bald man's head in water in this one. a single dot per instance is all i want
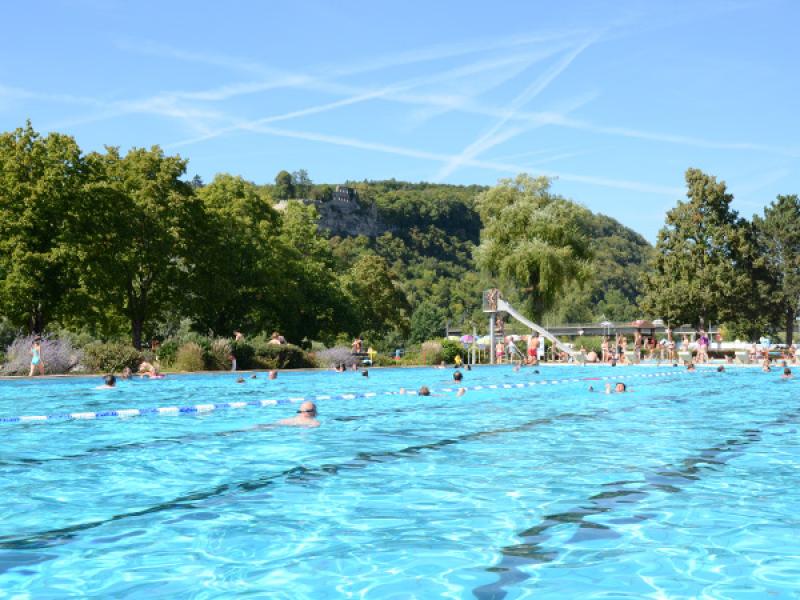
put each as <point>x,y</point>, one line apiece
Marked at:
<point>306,416</point>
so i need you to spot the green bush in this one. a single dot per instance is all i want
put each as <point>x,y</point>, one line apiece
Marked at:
<point>218,355</point>
<point>283,356</point>
<point>190,357</point>
<point>111,357</point>
<point>216,351</point>
<point>431,353</point>
<point>168,351</point>
<point>245,355</point>
<point>450,349</point>
<point>79,339</point>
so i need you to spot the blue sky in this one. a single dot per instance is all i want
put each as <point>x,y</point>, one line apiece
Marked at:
<point>614,99</point>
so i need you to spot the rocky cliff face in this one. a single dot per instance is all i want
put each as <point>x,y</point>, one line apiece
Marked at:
<point>346,218</point>
<point>349,218</point>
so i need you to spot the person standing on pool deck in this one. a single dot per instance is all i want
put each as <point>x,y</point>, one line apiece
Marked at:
<point>306,417</point>
<point>533,348</point>
<point>36,356</point>
<point>702,347</point>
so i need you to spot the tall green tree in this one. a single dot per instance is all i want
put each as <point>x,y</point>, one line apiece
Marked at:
<point>302,183</point>
<point>705,267</point>
<point>375,293</point>
<point>427,322</point>
<point>284,186</point>
<point>136,216</point>
<point>532,240</point>
<point>314,303</point>
<point>619,258</point>
<point>40,185</point>
<point>779,241</point>
<point>236,253</point>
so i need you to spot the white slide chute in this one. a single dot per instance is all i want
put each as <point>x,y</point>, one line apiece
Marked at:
<point>504,306</point>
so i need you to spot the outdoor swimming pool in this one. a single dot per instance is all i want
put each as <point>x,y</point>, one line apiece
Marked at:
<point>687,487</point>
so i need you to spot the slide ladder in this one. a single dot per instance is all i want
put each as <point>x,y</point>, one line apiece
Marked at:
<point>504,306</point>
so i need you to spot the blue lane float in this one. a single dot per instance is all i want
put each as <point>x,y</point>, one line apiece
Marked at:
<point>123,413</point>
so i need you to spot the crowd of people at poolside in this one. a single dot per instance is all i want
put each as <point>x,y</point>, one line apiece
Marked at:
<point>620,350</point>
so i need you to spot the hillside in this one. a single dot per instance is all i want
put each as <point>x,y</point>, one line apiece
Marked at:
<point>427,233</point>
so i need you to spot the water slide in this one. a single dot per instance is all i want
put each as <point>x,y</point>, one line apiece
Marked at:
<point>504,306</point>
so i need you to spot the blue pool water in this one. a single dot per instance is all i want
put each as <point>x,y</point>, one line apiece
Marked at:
<point>687,487</point>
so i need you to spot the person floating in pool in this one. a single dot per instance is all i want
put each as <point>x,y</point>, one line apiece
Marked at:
<point>36,356</point>
<point>306,417</point>
<point>273,374</point>
<point>457,376</point>
<point>787,373</point>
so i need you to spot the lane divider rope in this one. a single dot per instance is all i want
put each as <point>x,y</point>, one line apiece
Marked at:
<point>122,413</point>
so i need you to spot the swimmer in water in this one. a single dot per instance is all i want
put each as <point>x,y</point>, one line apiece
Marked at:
<point>109,381</point>
<point>306,417</point>
<point>619,388</point>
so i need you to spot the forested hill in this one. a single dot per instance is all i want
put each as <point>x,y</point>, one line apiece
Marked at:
<point>427,233</point>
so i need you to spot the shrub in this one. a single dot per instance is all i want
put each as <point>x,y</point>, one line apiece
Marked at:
<point>450,349</point>
<point>218,355</point>
<point>79,339</point>
<point>190,357</point>
<point>431,353</point>
<point>58,356</point>
<point>283,356</point>
<point>111,357</point>
<point>168,351</point>
<point>245,354</point>
<point>340,355</point>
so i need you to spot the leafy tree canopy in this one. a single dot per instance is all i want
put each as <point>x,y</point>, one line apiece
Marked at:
<point>532,240</point>
<point>705,266</point>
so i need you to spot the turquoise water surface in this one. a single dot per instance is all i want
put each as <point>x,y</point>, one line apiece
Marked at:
<point>688,487</point>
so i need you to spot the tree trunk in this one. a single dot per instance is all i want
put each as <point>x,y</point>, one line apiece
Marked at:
<point>789,325</point>
<point>37,321</point>
<point>136,332</point>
